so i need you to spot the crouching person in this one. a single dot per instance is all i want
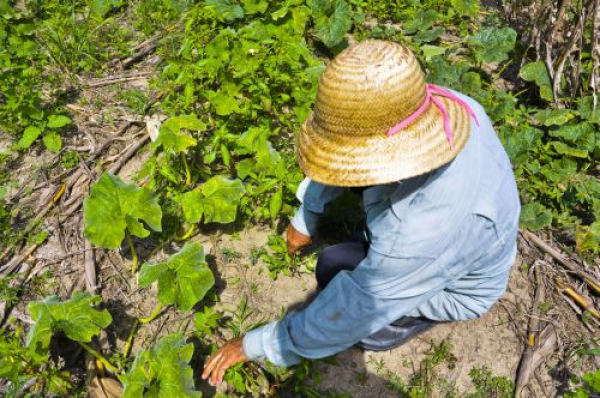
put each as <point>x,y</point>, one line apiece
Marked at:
<point>441,208</point>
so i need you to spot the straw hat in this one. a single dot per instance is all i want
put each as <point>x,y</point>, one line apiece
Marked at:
<point>364,92</point>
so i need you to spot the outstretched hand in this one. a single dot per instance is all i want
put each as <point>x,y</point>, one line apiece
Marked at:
<point>230,354</point>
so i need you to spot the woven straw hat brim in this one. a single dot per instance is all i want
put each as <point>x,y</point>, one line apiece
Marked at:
<point>372,157</point>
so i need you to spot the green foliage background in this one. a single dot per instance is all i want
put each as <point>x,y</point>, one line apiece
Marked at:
<point>249,70</point>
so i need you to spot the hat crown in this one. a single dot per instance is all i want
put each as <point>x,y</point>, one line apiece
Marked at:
<point>369,88</point>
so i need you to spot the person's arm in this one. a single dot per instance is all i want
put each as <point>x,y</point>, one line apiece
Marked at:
<point>353,306</point>
<point>313,197</point>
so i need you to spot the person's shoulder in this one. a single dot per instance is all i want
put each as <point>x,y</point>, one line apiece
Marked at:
<point>473,103</point>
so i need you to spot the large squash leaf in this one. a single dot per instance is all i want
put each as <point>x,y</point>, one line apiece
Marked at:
<point>183,280</point>
<point>216,200</point>
<point>114,205</point>
<point>492,44</point>
<point>332,20</point>
<point>171,137</point>
<point>587,111</point>
<point>76,318</point>
<point>554,117</point>
<point>163,371</point>
<point>538,73</point>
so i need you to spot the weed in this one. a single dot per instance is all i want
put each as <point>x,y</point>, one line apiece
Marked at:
<point>487,385</point>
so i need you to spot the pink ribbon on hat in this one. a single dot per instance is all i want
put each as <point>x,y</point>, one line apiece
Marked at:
<point>431,90</point>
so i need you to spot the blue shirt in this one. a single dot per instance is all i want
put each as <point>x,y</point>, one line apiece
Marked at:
<point>440,246</point>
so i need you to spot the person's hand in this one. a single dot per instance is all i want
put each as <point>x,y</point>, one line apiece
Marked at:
<point>230,354</point>
<point>296,240</point>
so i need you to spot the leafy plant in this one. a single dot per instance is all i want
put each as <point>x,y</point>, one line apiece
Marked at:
<point>206,321</point>
<point>51,139</point>
<point>492,44</point>
<point>171,138</point>
<point>538,73</point>
<point>162,371</point>
<point>487,385</point>
<point>332,20</point>
<point>76,318</point>
<point>590,385</point>
<point>183,280</point>
<point>114,210</point>
<point>21,365</point>
<point>216,200</point>
<point>278,260</point>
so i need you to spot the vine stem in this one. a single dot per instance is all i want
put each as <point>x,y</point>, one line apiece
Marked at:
<point>129,343</point>
<point>188,174</point>
<point>134,256</point>
<point>154,314</point>
<point>187,233</point>
<point>99,357</point>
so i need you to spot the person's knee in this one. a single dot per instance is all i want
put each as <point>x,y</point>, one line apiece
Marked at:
<point>326,263</point>
<point>333,259</point>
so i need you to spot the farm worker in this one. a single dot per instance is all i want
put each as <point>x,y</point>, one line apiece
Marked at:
<point>441,206</point>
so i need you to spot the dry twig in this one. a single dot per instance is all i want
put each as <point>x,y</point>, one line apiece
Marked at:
<point>569,265</point>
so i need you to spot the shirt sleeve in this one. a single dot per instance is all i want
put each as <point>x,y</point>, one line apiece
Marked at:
<point>353,306</point>
<point>314,197</point>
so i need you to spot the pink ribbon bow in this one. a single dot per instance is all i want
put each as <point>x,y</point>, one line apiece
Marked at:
<point>431,90</point>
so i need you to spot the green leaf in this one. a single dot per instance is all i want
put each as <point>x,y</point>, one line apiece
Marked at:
<point>255,6</point>
<point>593,379</point>
<point>492,44</point>
<point>465,8</point>
<point>300,17</point>
<point>225,155</point>
<point>183,281</point>
<point>217,200</point>
<point>224,100</point>
<point>534,216</point>
<point>538,73</point>
<point>30,134</point>
<point>554,117</point>
<point>52,141</point>
<point>58,121</point>
<point>588,237</point>
<point>565,149</point>
<point>471,83</point>
<point>282,12</point>
<point>255,141</point>
<point>76,318</point>
<point>226,9</point>
<point>332,20</point>
<point>171,137</point>
<point>102,7</point>
<point>430,51</point>
<point>113,206</point>
<point>560,170</point>
<point>582,135</point>
<point>275,204</point>
<point>430,35</point>
<point>422,20</point>
<point>162,371</point>
<point>206,321</point>
<point>444,73</point>
<point>587,111</point>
